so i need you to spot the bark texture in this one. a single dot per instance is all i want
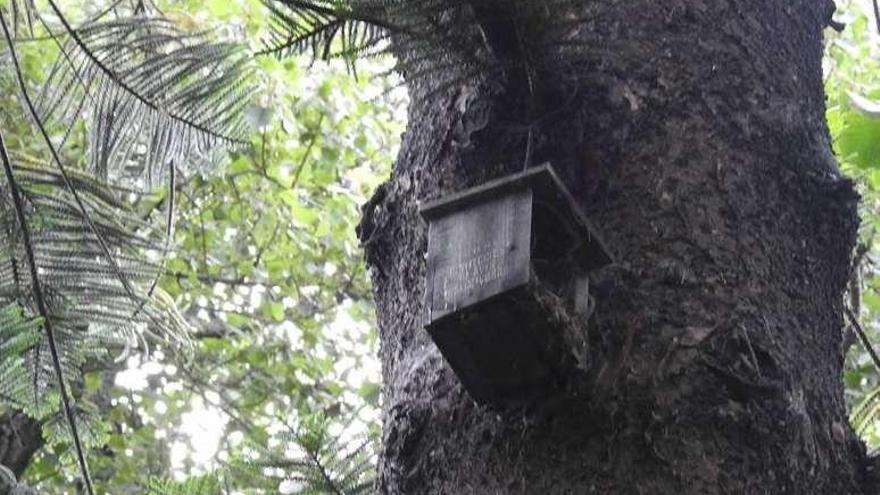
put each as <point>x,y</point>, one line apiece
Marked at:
<point>20,438</point>
<point>693,135</point>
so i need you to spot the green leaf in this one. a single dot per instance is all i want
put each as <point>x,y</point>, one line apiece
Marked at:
<point>276,310</point>
<point>93,381</point>
<point>859,140</point>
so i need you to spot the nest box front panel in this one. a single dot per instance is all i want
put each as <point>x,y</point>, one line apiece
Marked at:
<point>478,252</point>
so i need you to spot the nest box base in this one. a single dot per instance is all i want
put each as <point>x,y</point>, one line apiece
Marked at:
<point>515,347</point>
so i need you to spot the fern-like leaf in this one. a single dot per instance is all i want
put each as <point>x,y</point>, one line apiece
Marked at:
<point>315,461</point>
<point>154,98</point>
<point>866,412</point>
<point>151,93</point>
<point>361,28</point>
<point>327,28</point>
<point>91,309</point>
<point>199,485</point>
<point>19,333</point>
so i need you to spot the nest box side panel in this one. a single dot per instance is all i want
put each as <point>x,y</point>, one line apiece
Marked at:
<point>478,252</point>
<point>516,348</point>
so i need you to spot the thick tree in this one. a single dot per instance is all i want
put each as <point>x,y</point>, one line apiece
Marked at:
<point>693,134</point>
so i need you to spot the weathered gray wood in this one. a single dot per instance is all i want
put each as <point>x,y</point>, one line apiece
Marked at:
<point>548,190</point>
<point>478,252</point>
<point>506,274</point>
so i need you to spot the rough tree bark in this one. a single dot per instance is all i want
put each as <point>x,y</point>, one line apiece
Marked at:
<point>693,135</point>
<point>20,438</point>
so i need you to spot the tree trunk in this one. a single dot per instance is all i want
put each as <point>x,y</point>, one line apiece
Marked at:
<point>20,438</point>
<point>692,133</point>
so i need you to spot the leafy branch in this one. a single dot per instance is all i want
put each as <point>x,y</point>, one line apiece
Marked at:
<point>42,305</point>
<point>74,254</point>
<point>157,95</point>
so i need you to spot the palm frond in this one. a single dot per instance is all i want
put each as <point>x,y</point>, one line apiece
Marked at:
<point>320,457</point>
<point>92,430</point>
<point>19,333</point>
<point>23,14</point>
<point>360,28</point>
<point>90,309</point>
<point>41,301</point>
<point>444,42</point>
<point>199,485</point>
<point>153,98</point>
<point>151,94</point>
<point>88,303</point>
<point>327,28</point>
<point>866,412</point>
<point>81,273</point>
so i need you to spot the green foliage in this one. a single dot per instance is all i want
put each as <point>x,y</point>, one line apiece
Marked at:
<point>330,28</point>
<point>90,309</point>
<point>312,462</point>
<point>853,88</point>
<point>198,485</point>
<point>263,264</point>
<point>157,96</point>
<point>151,97</point>
<point>320,456</point>
<point>270,272</point>
<point>18,336</point>
<point>325,464</point>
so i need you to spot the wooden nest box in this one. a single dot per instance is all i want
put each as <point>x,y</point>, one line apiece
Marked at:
<point>506,283</point>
